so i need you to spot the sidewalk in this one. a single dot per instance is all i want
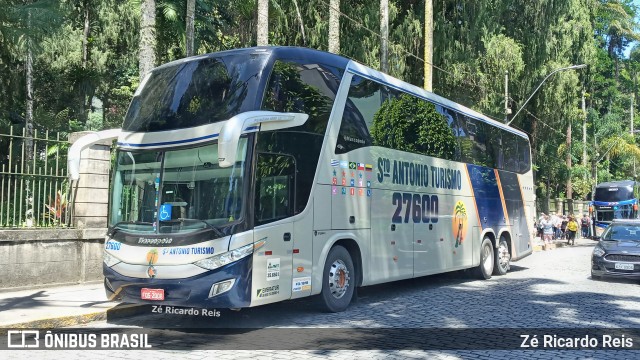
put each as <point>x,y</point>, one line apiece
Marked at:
<point>54,306</point>
<point>538,243</point>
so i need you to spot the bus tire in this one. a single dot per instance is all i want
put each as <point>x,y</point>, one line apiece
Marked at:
<point>502,258</point>
<point>338,280</point>
<point>485,268</point>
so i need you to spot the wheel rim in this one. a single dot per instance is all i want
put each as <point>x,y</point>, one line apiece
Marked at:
<point>338,279</point>
<point>503,255</point>
<point>487,262</point>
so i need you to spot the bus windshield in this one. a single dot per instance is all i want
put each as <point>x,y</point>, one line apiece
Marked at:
<point>614,194</point>
<point>176,191</point>
<point>196,92</point>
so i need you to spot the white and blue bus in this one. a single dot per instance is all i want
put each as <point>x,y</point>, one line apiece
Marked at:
<point>251,176</point>
<point>613,200</point>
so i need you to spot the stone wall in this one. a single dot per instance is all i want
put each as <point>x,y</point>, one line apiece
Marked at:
<point>30,258</point>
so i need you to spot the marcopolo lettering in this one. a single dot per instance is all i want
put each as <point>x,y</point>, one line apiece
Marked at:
<point>154,241</point>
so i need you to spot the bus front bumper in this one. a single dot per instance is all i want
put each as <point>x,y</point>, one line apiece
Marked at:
<point>189,292</point>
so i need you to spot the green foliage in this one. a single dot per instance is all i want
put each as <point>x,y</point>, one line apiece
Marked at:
<point>410,124</point>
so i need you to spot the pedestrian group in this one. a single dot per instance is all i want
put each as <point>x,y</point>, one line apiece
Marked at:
<point>562,227</point>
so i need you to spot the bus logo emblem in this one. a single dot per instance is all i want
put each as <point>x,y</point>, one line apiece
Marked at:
<point>459,223</point>
<point>151,272</point>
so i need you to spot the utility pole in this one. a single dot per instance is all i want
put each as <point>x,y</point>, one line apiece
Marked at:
<point>507,110</point>
<point>569,190</point>
<point>428,45</point>
<point>631,112</point>
<point>584,131</point>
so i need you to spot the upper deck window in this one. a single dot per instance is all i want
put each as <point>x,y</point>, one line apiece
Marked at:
<point>196,92</point>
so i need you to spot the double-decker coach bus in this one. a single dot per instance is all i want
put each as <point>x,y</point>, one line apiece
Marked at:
<point>613,200</point>
<point>251,176</point>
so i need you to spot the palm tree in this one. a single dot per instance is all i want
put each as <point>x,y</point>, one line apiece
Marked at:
<point>334,26</point>
<point>147,48</point>
<point>384,32</point>
<point>189,38</point>
<point>263,22</point>
<point>460,214</point>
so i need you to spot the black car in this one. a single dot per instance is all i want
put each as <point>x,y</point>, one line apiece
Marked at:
<point>617,254</point>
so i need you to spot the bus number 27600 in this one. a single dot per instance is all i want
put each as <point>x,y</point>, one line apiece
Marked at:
<point>419,208</point>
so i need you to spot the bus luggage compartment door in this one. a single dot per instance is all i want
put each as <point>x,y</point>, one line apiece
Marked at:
<point>271,275</point>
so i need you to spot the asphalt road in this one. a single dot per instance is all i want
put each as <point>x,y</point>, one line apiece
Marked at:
<point>548,292</point>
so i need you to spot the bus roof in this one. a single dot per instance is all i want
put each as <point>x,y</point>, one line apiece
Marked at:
<point>292,52</point>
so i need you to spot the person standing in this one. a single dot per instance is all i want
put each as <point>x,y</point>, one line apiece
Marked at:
<point>547,231</point>
<point>572,228</point>
<point>563,227</point>
<point>584,225</point>
<point>554,223</point>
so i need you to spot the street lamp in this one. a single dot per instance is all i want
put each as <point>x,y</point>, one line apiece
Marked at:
<point>572,67</point>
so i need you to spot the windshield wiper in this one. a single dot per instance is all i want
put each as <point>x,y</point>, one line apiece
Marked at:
<point>116,226</point>
<point>215,229</point>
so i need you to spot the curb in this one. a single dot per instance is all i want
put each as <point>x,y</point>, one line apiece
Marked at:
<point>552,246</point>
<point>58,322</point>
<point>117,312</point>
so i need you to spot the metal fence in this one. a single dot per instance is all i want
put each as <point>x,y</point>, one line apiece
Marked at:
<point>34,190</point>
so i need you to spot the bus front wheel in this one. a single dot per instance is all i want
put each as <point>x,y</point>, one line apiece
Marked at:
<point>485,269</point>
<point>338,280</point>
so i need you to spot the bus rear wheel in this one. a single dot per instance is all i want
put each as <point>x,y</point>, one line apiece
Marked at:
<point>485,269</point>
<point>503,258</point>
<point>338,280</point>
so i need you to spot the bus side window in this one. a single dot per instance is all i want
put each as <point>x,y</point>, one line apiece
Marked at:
<point>275,187</point>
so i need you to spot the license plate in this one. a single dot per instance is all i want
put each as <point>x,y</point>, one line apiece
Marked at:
<point>623,266</point>
<point>152,294</point>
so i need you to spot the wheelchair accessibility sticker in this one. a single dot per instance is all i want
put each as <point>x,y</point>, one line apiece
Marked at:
<point>165,212</point>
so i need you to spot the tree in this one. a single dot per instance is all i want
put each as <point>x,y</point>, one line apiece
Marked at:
<point>384,33</point>
<point>410,124</point>
<point>334,26</point>
<point>147,48</point>
<point>263,22</point>
<point>189,38</point>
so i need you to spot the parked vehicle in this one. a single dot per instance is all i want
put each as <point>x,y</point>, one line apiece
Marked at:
<point>617,254</point>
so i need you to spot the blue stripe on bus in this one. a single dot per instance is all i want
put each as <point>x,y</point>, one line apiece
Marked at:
<point>613,203</point>
<point>176,142</point>
<point>487,196</point>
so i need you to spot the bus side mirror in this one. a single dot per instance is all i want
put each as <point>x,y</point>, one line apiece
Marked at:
<point>266,120</point>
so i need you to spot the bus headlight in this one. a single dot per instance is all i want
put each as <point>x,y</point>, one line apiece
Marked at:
<point>228,257</point>
<point>109,259</point>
